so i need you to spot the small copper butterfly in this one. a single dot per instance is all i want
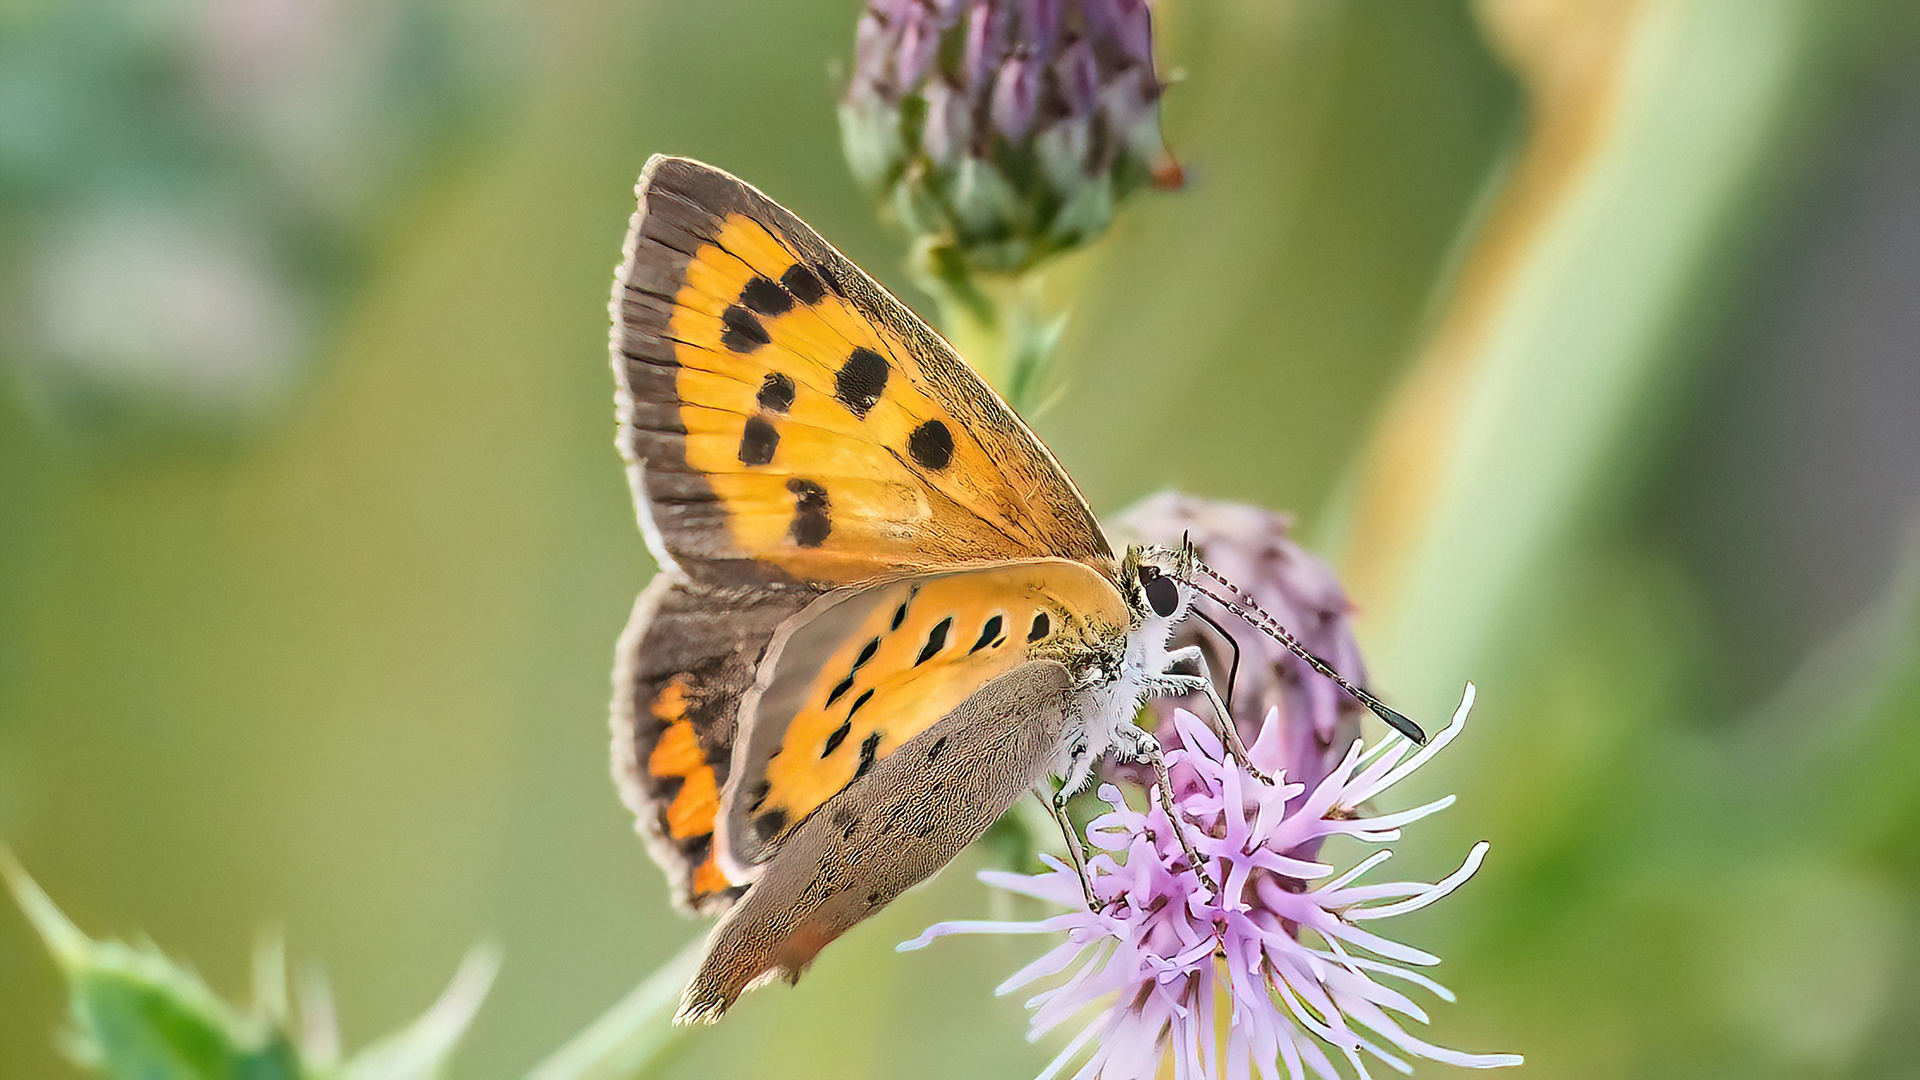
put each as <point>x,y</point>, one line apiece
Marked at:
<point>884,613</point>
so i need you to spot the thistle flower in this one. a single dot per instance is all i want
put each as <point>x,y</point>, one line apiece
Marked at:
<point>1279,952</point>
<point>1004,131</point>
<point>1251,547</point>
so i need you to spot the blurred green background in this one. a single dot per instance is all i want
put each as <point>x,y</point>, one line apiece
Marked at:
<point>313,543</point>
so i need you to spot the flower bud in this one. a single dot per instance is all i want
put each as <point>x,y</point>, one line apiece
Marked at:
<point>1002,132</point>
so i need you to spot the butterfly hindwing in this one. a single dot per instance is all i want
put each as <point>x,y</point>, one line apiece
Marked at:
<point>889,830</point>
<point>688,654</point>
<point>787,418</point>
<point>861,672</point>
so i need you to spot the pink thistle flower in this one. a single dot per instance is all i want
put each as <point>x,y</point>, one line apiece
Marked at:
<point>1281,951</point>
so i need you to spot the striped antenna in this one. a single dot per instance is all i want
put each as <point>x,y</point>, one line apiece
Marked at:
<point>1243,606</point>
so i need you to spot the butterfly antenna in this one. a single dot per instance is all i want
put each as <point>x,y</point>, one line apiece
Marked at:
<point>1267,624</point>
<point>1233,670</point>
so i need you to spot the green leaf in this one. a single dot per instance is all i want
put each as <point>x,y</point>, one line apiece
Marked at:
<point>422,1049</point>
<point>139,1016</point>
<point>1559,364</point>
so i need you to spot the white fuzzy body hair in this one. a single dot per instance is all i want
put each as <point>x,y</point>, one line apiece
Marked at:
<point>1113,696</point>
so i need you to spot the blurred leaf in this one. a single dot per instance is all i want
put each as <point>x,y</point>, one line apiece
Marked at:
<point>139,1016</point>
<point>1730,896</point>
<point>1653,127</point>
<point>634,1033</point>
<point>189,191</point>
<point>422,1049</point>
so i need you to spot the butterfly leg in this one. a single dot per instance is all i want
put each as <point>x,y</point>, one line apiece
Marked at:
<point>1140,746</point>
<point>1057,802</point>
<point>1173,683</point>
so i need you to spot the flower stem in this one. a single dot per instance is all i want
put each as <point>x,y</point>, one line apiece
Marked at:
<point>1000,327</point>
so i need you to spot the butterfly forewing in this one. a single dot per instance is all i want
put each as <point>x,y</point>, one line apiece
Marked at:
<point>789,419</point>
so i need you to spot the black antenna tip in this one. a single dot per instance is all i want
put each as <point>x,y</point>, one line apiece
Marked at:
<point>1397,721</point>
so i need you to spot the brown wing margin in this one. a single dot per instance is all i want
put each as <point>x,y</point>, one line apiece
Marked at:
<point>687,654</point>
<point>682,205</point>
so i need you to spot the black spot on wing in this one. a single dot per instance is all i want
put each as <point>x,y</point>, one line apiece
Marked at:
<point>764,297</point>
<point>838,736</point>
<point>768,825</point>
<point>989,634</point>
<point>697,848</point>
<point>811,523</point>
<point>931,445</point>
<point>776,392</point>
<point>847,821</point>
<point>869,750</point>
<point>859,701</point>
<point>758,442</point>
<point>1041,625</point>
<point>804,284</point>
<point>939,745</point>
<point>840,691</point>
<point>741,330</point>
<point>866,654</point>
<point>900,614</point>
<point>759,793</point>
<point>860,381</point>
<point>936,640</point>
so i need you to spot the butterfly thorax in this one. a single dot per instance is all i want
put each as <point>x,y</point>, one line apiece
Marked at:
<point>1122,673</point>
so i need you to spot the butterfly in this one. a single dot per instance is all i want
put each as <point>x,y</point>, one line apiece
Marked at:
<point>884,613</point>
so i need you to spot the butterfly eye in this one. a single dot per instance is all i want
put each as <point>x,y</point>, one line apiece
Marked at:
<point>1163,596</point>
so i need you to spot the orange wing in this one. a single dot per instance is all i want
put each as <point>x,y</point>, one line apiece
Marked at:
<point>785,418</point>
<point>860,672</point>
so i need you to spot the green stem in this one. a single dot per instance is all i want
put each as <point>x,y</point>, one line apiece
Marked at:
<point>1000,326</point>
<point>631,1035</point>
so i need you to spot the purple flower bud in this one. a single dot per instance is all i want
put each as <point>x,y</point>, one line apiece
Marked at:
<point>918,44</point>
<point>948,128</point>
<point>1042,21</point>
<point>986,46</point>
<point>874,42</point>
<point>1023,90</point>
<point>1123,27</point>
<point>1076,73</point>
<point>1016,99</point>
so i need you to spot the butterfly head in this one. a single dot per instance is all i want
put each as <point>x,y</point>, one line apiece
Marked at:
<point>1156,584</point>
